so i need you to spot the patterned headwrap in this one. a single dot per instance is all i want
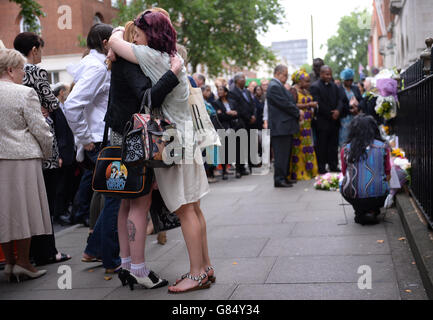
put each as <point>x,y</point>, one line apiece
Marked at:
<point>347,74</point>
<point>299,75</point>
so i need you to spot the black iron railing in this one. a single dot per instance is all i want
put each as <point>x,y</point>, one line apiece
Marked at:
<point>414,127</point>
<point>413,74</point>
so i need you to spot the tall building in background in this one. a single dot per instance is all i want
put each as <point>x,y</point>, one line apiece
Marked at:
<point>65,21</point>
<point>295,52</point>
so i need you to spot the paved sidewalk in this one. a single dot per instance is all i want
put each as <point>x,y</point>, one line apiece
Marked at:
<point>266,244</point>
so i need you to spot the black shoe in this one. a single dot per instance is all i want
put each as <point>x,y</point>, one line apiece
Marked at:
<point>291,181</point>
<point>238,175</point>
<point>245,173</point>
<point>123,276</point>
<point>283,184</point>
<point>366,219</point>
<point>52,260</point>
<point>370,218</point>
<point>81,220</point>
<point>63,220</point>
<point>151,282</point>
<point>225,177</point>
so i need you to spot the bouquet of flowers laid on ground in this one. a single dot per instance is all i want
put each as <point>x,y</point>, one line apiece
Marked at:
<point>328,182</point>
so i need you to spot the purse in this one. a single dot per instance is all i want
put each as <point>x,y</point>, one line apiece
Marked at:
<point>205,133</point>
<point>162,218</point>
<point>112,178</point>
<point>145,139</point>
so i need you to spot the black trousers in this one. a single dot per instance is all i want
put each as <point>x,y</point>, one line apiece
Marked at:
<point>43,247</point>
<point>65,190</point>
<point>362,206</point>
<point>282,146</point>
<point>327,148</point>
<point>239,156</point>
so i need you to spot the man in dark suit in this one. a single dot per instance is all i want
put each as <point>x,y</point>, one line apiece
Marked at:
<point>245,111</point>
<point>283,120</point>
<point>327,94</point>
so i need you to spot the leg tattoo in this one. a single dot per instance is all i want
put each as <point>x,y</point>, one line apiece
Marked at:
<point>131,230</point>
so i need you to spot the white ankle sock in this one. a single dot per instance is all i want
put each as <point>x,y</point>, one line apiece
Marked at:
<point>126,263</point>
<point>140,270</point>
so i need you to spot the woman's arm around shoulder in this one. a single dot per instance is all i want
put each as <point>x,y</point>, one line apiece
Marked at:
<point>122,47</point>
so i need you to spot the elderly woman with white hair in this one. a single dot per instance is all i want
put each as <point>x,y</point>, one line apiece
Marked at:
<point>25,140</point>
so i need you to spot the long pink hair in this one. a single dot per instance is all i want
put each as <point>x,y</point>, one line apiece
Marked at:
<point>159,31</point>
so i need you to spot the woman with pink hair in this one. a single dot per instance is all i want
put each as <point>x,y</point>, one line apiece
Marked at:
<point>182,186</point>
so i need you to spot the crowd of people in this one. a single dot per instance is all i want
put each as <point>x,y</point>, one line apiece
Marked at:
<point>51,137</point>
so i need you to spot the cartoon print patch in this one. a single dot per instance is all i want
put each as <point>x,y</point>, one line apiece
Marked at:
<point>116,175</point>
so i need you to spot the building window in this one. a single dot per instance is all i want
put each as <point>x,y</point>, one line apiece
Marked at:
<point>26,28</point>
<point>114,4</point>
<point>53,77</point>
<point>98,18</point>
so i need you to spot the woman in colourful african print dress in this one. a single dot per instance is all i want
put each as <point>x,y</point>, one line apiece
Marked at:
<point>303,164</point>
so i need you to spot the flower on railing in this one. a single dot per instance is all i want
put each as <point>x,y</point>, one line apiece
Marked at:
<point>328,182</point>
<point>398,153</point>
<point>386,107</point>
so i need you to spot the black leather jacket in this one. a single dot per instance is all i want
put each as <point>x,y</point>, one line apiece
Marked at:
<point>128,84</point>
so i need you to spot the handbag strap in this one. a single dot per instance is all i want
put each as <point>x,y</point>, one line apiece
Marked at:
<point>105,140</point>
<point>146,106</point>
<point>146,102</point>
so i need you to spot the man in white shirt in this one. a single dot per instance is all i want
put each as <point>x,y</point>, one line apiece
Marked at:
<point>85,109</point>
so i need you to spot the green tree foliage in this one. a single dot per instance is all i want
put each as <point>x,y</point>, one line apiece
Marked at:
<point>349,47</point>
<point>307,67</point>
<point>216,32</point>
<point>30,9</point>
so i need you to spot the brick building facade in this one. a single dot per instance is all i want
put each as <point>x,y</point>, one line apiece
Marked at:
<point>64,22</point>
<point>399,30</point>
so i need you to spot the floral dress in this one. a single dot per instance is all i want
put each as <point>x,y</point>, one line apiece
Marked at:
<point>303,162</point>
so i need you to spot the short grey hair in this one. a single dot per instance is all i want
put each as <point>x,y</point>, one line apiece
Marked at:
<point>10,58</point>
<point>200,77</point>
<point>280,69</point>
<point>325,68</point>
<point>57,88</point>
<point>238,76</point>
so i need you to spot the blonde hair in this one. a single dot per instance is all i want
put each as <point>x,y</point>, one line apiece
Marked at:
<point>10,58</point>
<point>182,52</point>
<point>128,36</point>
<point>221,82</point>
<point>129,32</point>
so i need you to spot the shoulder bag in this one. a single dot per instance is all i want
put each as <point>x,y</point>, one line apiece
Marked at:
<point>205,133</point>
<point>112,178</point>
<point>146,137</point>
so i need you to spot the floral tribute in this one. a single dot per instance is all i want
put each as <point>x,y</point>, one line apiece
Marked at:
<point>328,182</point>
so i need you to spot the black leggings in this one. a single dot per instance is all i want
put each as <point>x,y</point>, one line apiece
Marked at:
<point>362,206</point>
